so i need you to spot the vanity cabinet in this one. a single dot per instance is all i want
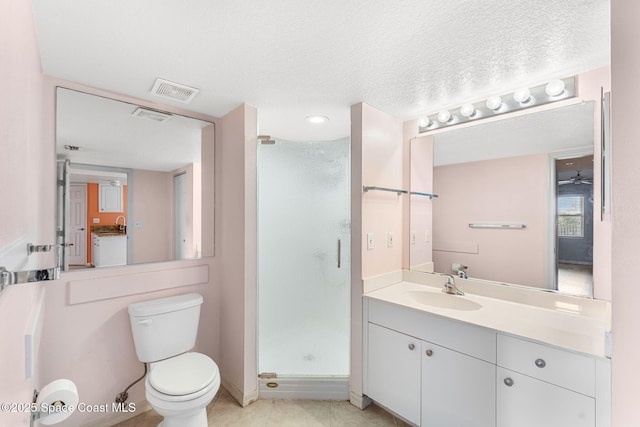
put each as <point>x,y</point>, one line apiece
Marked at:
<point>110,198</point>
<point>542,385</point>
<point>430,370</point>
<point>436,371</point>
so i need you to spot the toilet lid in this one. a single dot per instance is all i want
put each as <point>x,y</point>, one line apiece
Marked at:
<point>183,374</point>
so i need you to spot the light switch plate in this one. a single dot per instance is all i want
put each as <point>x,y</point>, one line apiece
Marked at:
<point>390,239</point>
<point>370,242</point>
<point>96,220</point>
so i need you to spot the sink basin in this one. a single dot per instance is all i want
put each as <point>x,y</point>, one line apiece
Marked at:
<point>442,300</point>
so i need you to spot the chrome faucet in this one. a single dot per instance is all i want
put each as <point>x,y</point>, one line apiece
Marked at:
<point>450,286</point>
<point>124,222</point>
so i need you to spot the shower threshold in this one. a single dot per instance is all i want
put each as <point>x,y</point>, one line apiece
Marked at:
<point>310,388</point>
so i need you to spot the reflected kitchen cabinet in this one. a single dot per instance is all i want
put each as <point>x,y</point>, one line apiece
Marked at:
<point>110,197</point>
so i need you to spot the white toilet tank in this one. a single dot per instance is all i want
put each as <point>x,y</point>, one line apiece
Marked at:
<point>165,327</point>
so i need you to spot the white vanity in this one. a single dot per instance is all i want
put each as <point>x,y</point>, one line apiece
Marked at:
<point>443,360</point>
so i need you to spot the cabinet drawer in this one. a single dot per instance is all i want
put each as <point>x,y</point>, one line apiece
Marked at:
<point>569,370</point>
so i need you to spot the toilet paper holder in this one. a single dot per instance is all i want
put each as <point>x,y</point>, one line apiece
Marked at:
<point>54,403</point>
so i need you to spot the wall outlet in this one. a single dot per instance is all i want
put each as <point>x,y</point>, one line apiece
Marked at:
<point>96,220</point>
<point>390,238</point>
<point>138,224</point>
<point>370,243</point>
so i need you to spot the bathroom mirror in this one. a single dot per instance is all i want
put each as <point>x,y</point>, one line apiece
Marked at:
<point>129,182</point>
<point>505,189</point>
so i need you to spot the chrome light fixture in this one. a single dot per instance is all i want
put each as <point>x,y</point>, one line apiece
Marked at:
<point>553,91</point>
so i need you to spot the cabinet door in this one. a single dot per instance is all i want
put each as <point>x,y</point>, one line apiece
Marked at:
<point>394,371</point>
<point>457,390</point>
<point>110,198</point>
<point>527,402</point>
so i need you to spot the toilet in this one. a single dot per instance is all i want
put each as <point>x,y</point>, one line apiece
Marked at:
<point>180,384</point>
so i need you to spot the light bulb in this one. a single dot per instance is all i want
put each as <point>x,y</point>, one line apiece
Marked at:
<point>423,122</point>
<point>468,110</point>
<point>554,88</point>
<point>444,116</point>
<point>522,95</point>
<point>494,103</point>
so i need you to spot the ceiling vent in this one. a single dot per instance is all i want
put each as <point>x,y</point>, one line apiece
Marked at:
<point>156,116</point>
<point>176,91</point>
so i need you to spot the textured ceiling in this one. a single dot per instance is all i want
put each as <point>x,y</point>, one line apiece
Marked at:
<point>293,58</point>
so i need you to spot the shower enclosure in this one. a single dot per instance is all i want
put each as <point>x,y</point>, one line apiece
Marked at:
<point>304,269</point>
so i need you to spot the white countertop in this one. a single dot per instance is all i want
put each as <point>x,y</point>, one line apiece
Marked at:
<point>570,330</point>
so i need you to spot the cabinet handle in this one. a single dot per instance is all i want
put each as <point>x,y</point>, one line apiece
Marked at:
<point>429,353</point>
<point>508,382</point>
<point>540,363</point>
<point>412,346</point>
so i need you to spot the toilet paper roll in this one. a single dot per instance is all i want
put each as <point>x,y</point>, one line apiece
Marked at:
<point>57,401</point>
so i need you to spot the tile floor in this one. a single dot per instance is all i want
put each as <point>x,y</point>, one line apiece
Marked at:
<point>224,411</point>
<point>575,279</point>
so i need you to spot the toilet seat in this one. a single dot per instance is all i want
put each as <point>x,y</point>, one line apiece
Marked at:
<point>183,377</point>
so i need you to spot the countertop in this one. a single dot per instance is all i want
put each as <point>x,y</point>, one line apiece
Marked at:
<point>108,230</point>
<point>562,328</point>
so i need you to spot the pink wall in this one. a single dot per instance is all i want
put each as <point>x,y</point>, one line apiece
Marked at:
<point>625,68</point>
<point>382,165</point>
<point>30,192</point>
<point>236,250</point>
<point>493,191</point>
<point>376,160</point>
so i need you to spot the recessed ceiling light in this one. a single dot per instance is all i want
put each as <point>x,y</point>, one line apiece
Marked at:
<point>317,119</point>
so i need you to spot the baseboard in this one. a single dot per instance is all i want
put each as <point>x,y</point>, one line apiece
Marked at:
<point>111,418</point>
<point>240,397</point>
<point>359,401</point>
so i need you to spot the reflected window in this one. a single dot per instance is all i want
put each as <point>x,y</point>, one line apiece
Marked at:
<point>571,216</point>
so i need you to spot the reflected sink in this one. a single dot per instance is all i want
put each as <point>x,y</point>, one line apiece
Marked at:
<point>442,300</point>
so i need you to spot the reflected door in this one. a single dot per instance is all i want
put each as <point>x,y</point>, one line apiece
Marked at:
<point>303,258</point>
<point>77,251</point>
<point>180,215</point>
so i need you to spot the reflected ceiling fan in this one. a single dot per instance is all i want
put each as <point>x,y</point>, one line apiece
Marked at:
<point>577,179</point>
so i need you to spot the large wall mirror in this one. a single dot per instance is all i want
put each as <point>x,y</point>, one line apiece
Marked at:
<point>515,200</point>
<point>129,182</point>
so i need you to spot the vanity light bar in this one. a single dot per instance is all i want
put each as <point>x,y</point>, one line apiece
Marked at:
<point>520,99</point>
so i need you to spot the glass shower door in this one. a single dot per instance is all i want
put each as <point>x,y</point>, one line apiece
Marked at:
<point>304,258</point>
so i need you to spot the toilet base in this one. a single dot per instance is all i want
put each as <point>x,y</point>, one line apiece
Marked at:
<point>198,419</point>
